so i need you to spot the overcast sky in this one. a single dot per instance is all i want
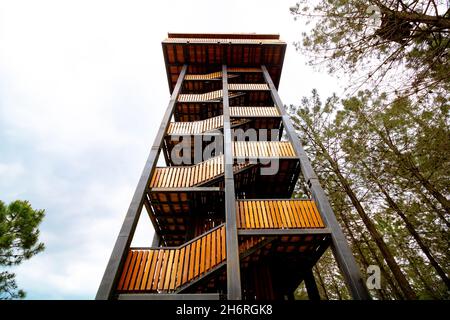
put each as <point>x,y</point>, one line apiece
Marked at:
<point>82,91</point>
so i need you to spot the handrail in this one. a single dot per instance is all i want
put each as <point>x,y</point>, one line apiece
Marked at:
<point>190,176</point>
<point>166,269</point>
<point>278,214</point>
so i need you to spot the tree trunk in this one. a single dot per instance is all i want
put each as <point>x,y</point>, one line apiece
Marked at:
<point>397,294</point>
<point>358,248</point>
<point>410,228</point>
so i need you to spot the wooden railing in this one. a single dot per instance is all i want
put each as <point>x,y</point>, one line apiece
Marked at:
<point>277,214</point>
<point>216,95</point>
<point>196,127</point>
<point>207,76</point>
<point>248,86</point>
<point>167,269</point>
<point>190,176</point>
<point>262,149</point>
<point>254,112</point>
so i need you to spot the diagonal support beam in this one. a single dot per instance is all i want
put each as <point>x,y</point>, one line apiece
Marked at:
<point>233,267</point>
<point>340,247</point>
<point>110,277</point>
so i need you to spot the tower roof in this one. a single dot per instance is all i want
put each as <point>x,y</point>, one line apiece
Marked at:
<point>206,52</point>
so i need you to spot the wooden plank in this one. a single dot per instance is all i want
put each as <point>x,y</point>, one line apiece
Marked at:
<point>197,258</point>
<point>298,208</point>
<point>192,261</point>
<point>314,221</point>
<point>143,263</point>
<point>305,215</point>
<point>318,216</point>
<point>289,218</point>
<point>151,275</point>
<point>159,264</point>
<point>168,274</point>
<point>263,214</point>
<point>280,213</point>
<point>173,277</point>
<point>130,271</point>
<point>208,252</point>
<point>213,249</point>
<point>223,242</point>
<point>147,269</point>
<point>203,255</point>
<point>254,213</point>
<point>136,268</point>
<point>125,270</point>
<point>275,223</point>
<point>292,212</point>
<point>186,265</point>
<point>219,246</point>
<point>266,212</point>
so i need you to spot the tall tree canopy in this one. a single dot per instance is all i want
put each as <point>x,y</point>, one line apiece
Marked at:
<point>19,241</point>
<point>401,47</point>
<point>385,167</point>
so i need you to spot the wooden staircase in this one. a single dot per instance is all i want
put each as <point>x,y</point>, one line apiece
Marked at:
<point>170,268</point>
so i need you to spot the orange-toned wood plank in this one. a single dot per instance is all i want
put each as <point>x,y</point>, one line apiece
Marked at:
<point>125,270</point>
<point>203,255</point>
<point>197,258</point>
<point>137,265</point>
<point>223,242</point>
<point>169,270</point>
<point>305,215</point>
<point>130,271</point>
<point>159,264</point>
<point>151,275</point>
<point>208,252</point>
<point>143,263</point>
<point>192,261</point>
<point>298,210</point>
<point>264,214</point>
<point>213,249</point>
<point>293,212</point>
<point>314,221</point>
<point>147,269</point>
<point>173,277</point>
<point>164,266</point>
<point>219,246</point>
<point>318,216</point>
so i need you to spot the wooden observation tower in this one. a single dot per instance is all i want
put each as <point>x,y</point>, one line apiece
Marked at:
<point>225,224</point>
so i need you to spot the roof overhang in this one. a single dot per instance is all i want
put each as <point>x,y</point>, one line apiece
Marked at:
<point>208,52</point>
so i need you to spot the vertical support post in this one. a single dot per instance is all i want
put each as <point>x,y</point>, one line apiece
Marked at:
<point>233,264</point>
<point>311,287</point>
<point>109,280</point>
<point>341,250</point>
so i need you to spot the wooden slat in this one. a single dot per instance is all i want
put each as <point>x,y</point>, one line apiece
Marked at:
<point>173,277</point>
<point>163,270</point>
<point>130,271</point>
<point>168,274</point>
<point>143,263</point>
<point>125,270</point>
<point>208,252</point>
<point>147,269</point>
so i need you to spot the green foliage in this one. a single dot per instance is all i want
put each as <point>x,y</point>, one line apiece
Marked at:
<point>19,241</point>
<point>396,161</point>
<point>404,50</point>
